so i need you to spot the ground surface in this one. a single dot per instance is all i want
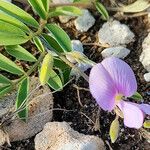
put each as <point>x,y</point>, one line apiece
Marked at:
<point>129,139</point>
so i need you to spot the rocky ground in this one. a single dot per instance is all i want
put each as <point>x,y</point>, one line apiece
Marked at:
<point>84,125</point>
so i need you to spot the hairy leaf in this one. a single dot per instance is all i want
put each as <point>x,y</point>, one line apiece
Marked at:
<point>102,10</point>
<point>18,13</point>
<point>9,19</point>
<point>114,130</point>
<point>60,36</point>
<point>46,68</point>
<point>20,53</point>
<point>9,66</point>
<point>11,35</point>
<point>54,81</point>
<point>22,99</point>
<point>147,124</point>
<point>38,44</point>
<point>52,44</point>
<point>66,11</point>
<point>37,5</point>
<point>4,90</point>
<point>137,96</point>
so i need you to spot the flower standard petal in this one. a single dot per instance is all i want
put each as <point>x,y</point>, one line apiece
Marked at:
<point>122,75</point>
<point>102,87</point>
<point>133,115</point>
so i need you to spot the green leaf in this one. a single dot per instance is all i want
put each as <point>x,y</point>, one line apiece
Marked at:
<point>66,11</point>
<point>38,44</point>
<point>18,13</point>
<point>22,98</point>
<point>137,96</point>
<point>137,6</point>
<point>114,130</point>
<point>6,18</point>
<point>65,69</point>
<point>147,124</point>
<point>20,53</point>
<point>52,43</point>
<point>54,81</point>
<point>60,36</point>
<point>4,80</point>
<point>46,68</point>
<point>11,35</point>
<point>9,66</point>
<point>102,10</point>
<point>4,90</point>
<point>37,5</point>
<point>46,4</point>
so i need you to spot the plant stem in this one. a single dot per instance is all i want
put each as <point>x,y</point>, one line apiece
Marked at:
<point>73,66</point>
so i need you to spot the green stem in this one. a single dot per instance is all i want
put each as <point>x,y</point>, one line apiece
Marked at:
<point>73,66</point>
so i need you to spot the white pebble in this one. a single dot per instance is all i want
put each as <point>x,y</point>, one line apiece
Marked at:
<point>119,52</point>
<point>115,34</point>
<point>147,77</point>
<point>85,22</point>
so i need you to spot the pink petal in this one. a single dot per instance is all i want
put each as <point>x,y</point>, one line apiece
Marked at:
<point>122,75</point>
<point>102,87</point>
<point>133,115</point>
<point>145,108</point>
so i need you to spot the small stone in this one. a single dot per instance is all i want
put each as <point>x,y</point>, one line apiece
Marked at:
<point>85,22</point>
<point>60,136</point>
<point>147,77</point>
<point>115,34</point>
<point>77,46</point>
<point>145,55</point>
<point>62,1</point>
<point>119,52</point>
<point>40,105</point>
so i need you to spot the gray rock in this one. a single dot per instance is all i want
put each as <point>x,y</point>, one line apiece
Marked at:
<point>60,136</point>
<point>145,55</point>
<point>77,46</point>
<point>147,77</point>
<point>40,105</point>
<point>85,22</point>
<point>119,52</point>
<point>115,34</point>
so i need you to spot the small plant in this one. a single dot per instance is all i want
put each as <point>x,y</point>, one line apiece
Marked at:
<point>109,85</point>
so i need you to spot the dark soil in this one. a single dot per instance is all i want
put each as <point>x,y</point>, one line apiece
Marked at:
<point>78,117</point>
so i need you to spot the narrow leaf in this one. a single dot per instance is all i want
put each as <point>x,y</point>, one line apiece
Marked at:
<point>20,53</point>
<point>4,80</point>
<point>38,44</point>
<point>46,4</point>
<point>46,68</point>
<point>137,6</point>
<point>11,35</point>
<point>37,5</point>
<point>65,69</point>
<point>102,10</point>
<point>66,11</point>
<point>137,96</point>
<point>147,124</point>
<point>54,81</point>
<point>4,90</point>
<point>18,13</point>
<point>60,36</point>
<point>22,98</point>
<point>9,66</point>
<point>6,18</point>
<point>114,130</point>
<point>52,43</point>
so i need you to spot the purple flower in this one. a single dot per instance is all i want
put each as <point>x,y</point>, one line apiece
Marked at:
<point>112,80</point>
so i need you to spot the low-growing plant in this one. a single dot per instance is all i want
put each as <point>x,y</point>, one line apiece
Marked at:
<point>53,45</point>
